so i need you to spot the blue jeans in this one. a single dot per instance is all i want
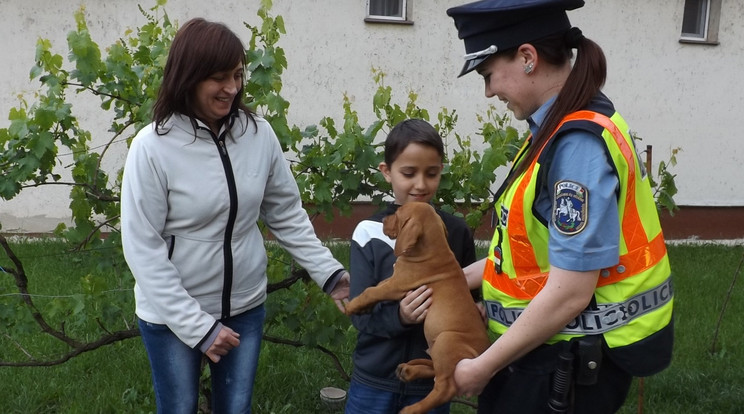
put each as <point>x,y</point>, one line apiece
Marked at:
<point>176,367</point>
<point>363,399</point>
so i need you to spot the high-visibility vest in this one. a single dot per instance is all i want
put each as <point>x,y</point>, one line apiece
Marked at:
<point>633,300</point>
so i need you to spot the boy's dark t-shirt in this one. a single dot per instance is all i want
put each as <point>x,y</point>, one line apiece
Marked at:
<point>383,341</point>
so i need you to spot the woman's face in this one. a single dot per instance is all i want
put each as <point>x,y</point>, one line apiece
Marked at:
<point>505,78</point>
<point>215,95</point>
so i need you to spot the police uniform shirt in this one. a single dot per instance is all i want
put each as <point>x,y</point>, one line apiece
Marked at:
<point>580,164</point>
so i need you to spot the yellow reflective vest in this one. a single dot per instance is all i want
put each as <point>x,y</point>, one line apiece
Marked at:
<point>633,300</point>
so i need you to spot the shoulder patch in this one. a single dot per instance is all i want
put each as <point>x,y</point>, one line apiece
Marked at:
<point>570,207</point>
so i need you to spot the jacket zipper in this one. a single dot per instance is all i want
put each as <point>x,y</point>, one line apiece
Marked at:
<point>227,243</point>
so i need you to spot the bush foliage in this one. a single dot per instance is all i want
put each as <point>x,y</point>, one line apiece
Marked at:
<point>335,163</point>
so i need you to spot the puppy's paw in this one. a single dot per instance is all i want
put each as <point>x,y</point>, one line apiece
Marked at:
<point>403,372</point>
<point>355,308</point>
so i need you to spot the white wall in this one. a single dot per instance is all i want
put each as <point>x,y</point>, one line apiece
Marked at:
<point>672,94</point>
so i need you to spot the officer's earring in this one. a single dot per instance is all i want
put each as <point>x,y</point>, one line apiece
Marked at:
<point>528,68</point>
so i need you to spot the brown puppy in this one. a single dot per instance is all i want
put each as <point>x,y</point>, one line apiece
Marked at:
<point>453,327</point>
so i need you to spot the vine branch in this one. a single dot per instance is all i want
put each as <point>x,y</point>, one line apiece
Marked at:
<point>21,281</point>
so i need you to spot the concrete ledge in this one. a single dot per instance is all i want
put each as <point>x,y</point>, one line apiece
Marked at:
<point>688,223</point>
<point>704,223</point>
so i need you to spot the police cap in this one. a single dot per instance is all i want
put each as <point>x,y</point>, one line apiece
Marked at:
<point>490,26</point>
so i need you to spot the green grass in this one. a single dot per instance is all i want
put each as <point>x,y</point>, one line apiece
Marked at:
<point>116,378</point>
<point>701,379</point>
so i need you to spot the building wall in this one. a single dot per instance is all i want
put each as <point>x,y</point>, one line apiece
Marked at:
<point>673,95</point>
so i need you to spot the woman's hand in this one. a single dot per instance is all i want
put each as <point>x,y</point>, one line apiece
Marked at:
<point>470,377</point>
<point>340,292</point>
<point>226,340</point>
<point>415,305</point>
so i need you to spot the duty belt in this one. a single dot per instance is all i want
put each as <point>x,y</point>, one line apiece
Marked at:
<point>602,318</point>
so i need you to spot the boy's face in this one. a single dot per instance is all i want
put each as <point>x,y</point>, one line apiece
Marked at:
<point>415,174</point>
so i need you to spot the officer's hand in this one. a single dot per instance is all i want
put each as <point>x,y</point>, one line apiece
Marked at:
<point>470,378</point>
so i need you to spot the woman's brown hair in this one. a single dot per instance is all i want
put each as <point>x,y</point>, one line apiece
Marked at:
<point>199,49</point>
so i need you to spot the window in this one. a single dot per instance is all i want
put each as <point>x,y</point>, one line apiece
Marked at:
<point>388,11</point>
<point>700,21</point>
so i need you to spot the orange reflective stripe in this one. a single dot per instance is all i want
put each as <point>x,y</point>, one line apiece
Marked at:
<point>520,247</point>
<point>523,287</point>
<point>636,261</point>
<point>633,231</point>
<point>531,281</point>
<point>641,255</point>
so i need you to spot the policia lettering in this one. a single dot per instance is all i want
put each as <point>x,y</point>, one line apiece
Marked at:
<point>603,317</point>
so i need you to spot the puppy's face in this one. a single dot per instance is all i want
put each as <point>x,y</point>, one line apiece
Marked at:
<point>406,226</point>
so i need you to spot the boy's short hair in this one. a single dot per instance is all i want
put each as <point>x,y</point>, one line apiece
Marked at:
<point>407,132</point>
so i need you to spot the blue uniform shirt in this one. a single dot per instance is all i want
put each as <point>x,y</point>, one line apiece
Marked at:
<point>580,159</point>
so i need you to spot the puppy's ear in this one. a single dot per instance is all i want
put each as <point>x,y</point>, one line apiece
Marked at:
<point>444,228</point>
<point>408,236</point>
<point>390,226</point>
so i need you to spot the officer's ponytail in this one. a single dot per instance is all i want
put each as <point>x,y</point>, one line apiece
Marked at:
<point>583,83</point>
<point>586,79</point>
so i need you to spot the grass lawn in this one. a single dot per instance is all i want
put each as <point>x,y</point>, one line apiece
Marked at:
<point>116,378</point>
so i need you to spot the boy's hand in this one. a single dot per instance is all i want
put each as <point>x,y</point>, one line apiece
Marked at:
<point>415,305</point>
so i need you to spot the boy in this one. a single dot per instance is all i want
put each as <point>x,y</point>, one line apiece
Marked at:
<point>393,332</point>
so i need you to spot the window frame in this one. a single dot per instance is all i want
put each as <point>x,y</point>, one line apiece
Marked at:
<point>709,34</point>
<point>404,19</point>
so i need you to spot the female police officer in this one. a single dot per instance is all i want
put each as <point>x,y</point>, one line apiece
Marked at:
<point>577,280</point>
